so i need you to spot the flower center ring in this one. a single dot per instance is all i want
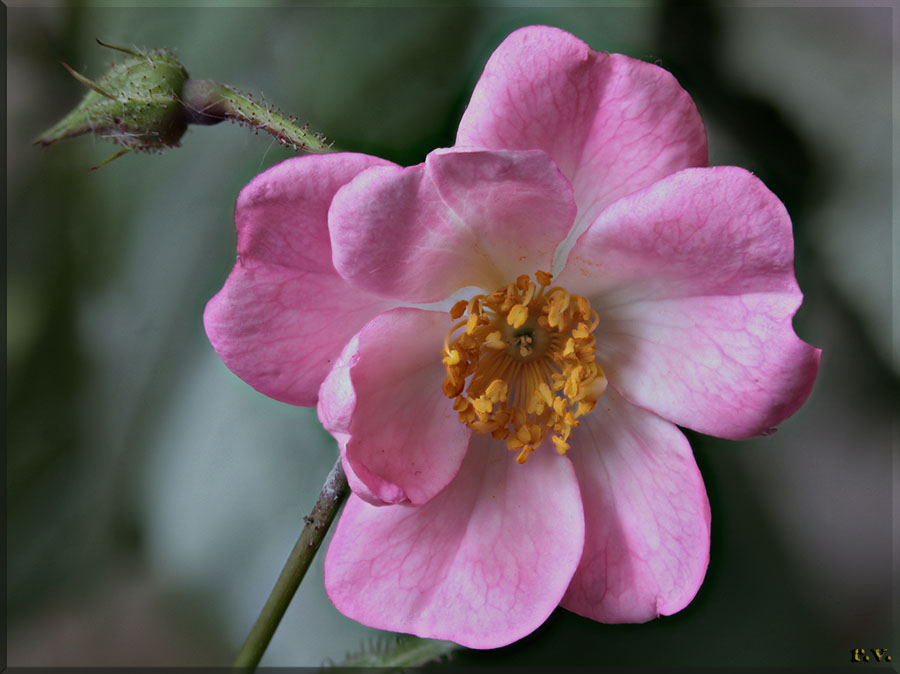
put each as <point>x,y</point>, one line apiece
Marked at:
<point>522,365</point>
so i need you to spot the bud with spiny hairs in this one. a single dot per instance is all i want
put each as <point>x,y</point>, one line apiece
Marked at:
<point>146,102</point>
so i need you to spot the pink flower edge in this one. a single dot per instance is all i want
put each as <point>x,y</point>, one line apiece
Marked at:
<point>647,517</point>
<point>613,124</point>
<point>418,234</point>
<point>380,402</point>
<point>268,322</point>
<point>693,279</point>
<point>484,563</point>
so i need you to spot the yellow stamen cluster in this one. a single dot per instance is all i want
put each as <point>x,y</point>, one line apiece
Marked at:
<point>527,353</point>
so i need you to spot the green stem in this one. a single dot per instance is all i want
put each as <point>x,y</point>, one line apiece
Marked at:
<point>334,493</point>
<point>208,102</point>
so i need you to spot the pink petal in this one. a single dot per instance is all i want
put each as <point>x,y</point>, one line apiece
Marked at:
<point>335,414</point>
<point>462,218</point>
<point>482,564</point>
<point>613,124</point>
<point>694,282</point>
<point>397,431</point>
<point>646,516</point>
<point>284,314</point>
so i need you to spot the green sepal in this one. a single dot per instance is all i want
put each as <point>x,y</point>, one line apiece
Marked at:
<point>136,103</point>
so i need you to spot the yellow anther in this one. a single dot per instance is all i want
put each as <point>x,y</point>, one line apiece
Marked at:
<point>545,393</point>
<point>570,347</point>
<point>586,353</point>
<point>596,387</point>
<point>543,277</point>
<point>500,433</point>
<point>482,406</point>
<point>453,387</point>
<point>458,309</point>
<point>529,294</point>
<point>573,382</point>
<point>471,324</point>
<point>495,340</point>
<point>559,405</point>
<point>461,403</point>
<point>496,391</point>
<point>562,299</point>
<point>561,445</point>
<point>523,434</point>
<point>524,454</point>
<point>452,358</point>
<point>553,316</point>
<point>484,427</point>
<point>581,332</point>
<point>517,316</point>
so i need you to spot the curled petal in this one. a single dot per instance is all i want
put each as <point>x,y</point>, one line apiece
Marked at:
<point>646,516</point>
<point>284,314</point>
<point>462,218</point>
<point>398,433</point>
<point>693,280</point>
<point>482,564</point>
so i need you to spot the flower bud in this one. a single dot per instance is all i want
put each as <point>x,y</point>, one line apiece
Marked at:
<point>137,103</point>
<point>147,102</point>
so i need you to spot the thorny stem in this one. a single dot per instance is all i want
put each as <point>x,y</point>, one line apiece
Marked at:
<point>208,102</point>
<point>334,493</point>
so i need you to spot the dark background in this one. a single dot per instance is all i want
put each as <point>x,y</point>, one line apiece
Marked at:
<point>152,497</point>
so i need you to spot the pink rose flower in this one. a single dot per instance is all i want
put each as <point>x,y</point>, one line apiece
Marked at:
<point>608,287</point>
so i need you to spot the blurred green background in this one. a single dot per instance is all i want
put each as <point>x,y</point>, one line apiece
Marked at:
<point>152,497</point>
